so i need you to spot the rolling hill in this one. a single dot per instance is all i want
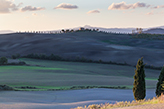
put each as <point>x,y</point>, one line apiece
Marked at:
<point>120,48</point>
<point>155,31</point>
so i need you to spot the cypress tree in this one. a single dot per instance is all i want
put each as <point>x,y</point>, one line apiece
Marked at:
<point>139,90</point>
<point>159,83</point>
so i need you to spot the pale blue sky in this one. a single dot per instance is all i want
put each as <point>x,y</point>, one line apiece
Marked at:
<point>53,19</point>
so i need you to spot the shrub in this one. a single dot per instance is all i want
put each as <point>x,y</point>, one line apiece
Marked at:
<point>5,87</point>
<point>51,57</point>
<point>42,56</point>
<point>15,56</point>
<point>139,90</point>
<point>22,63</point>
<point>3,60</point>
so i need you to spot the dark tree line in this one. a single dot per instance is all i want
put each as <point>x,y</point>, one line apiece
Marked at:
<point>3,60</point>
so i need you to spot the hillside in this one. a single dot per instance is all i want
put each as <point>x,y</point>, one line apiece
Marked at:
<point>155,31</point>
<point>91,45</point>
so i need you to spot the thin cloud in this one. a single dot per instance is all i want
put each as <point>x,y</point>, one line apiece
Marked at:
<point>66,6</point>
<point>30,8</point>
<point>155,13</point>
<point>7,6</point>
<point>157,7</point>
<point>34,14</point>
<point>150,13</point>
<point>93,11</point>
<point>124,6</point>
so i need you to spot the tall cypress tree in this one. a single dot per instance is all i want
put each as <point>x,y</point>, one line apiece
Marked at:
<point>160,82</point>
<point>139,90</point>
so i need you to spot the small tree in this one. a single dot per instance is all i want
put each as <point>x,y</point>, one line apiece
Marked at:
<point>63,31</point>
<point>140,30</point>
<point>139,90</point>
<point>159,83</point>
<point>67,31</point>
<point>72,30</point>
<point>13,57</point>
<point>3,60</point>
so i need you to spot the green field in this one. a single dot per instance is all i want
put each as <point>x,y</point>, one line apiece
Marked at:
<point>45,74</point>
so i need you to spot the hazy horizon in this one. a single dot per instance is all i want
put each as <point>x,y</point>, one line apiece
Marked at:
<point>117,30</point>
<point>42,15</point>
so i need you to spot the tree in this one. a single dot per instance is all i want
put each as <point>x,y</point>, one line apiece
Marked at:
<point>140,30</point>
<point>139,90</point>
<point>72,30</point>
<point>133,31</point>
<point>63,31</point>
<point>3,60</point>
<point>13,57</point>
<point>67,31</point>
<point>159,83</point>
<point>137,29</point>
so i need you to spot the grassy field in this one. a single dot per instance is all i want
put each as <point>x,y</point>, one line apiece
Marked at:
<point>44,74</point>
<point>154,103</point>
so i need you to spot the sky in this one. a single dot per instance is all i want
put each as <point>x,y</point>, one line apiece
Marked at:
<point>43,15</point>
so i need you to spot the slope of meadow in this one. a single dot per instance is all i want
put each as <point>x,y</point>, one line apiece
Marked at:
<point>51,75</point>
<point>56,74</point>
<point>44,74</point>
<point>91,45</point>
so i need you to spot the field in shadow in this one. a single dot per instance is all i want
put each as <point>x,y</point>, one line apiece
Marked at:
<point>49,75</point>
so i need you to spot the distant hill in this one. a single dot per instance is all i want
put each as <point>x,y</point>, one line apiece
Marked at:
<point>155,31</point>
<point>6,31</point>
<point>112,30</point>
<point>161,27</point>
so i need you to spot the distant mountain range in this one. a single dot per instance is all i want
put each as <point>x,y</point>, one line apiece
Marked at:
<point>154,30</point>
